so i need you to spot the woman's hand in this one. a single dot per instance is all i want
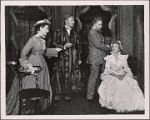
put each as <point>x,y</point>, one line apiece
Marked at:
<point>52,52</point>
<point>120,77</point>
<point>58,49</point>
<point>79,62</point>
<point>27,68</point>
<point>30,68</point>
<point>56,52</point>
<point>68,45</point>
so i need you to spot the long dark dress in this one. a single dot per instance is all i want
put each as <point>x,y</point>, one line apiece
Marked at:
<point>66,77</point>
<point>36,47</point>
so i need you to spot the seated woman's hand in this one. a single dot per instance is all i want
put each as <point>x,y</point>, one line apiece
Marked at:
<point>120,77</point>
<point>125,73</point>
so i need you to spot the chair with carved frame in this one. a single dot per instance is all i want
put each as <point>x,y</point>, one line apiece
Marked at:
<point>29,94</point>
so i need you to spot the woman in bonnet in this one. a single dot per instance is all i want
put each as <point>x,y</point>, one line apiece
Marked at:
<point>32,55</point>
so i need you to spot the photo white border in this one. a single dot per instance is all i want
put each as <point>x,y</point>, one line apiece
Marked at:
<point>73,3</point>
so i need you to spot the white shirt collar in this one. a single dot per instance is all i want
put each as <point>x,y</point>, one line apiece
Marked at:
<point>68,29</point>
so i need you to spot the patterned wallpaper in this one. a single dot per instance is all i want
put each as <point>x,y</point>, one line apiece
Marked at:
<point>138,36</point>
<point>126,29</point>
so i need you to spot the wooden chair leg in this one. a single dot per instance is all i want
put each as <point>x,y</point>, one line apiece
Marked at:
<point>48,102</point>
<point>23,110</point>
<point>20,106</point>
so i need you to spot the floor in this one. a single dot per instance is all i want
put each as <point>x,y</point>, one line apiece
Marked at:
<point>80,106</point>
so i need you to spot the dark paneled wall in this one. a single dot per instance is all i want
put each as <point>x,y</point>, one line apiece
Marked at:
<point>138,40</point>
<point>131,25</point>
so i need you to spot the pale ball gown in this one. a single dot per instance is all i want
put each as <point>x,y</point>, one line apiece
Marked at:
<point>121,95</point>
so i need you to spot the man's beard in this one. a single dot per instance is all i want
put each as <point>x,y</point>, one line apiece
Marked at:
<point>100,30</point>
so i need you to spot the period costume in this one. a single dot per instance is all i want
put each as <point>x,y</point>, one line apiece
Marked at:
<point>66,75</point>
<point>32,53</point>
<point>121,95</point>
<point>95,58</point>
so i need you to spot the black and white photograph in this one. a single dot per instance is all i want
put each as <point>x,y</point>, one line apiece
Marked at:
<point>75,59</point>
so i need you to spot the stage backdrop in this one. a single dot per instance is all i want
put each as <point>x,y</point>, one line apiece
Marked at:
<point>128,28</point>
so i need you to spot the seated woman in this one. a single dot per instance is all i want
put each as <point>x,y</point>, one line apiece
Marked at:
<point>32,55</point>
<point>118,89</point>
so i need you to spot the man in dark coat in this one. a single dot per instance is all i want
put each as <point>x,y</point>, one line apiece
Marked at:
<point>66,71</point>
<point>97,52</point>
